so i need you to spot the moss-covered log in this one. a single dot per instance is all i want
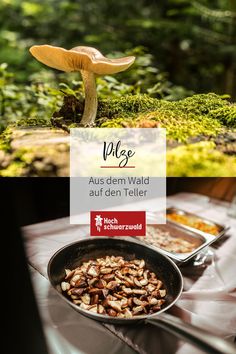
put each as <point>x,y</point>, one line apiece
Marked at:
<point>201,134</point>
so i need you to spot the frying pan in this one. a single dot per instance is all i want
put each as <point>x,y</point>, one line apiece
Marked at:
<point>74,254</point>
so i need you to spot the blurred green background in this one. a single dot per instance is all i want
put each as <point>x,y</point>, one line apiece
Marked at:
<point>182,47</point>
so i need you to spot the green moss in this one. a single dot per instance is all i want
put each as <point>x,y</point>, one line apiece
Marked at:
<point>33,122</point>
<point>203,117</point>
<point>180,127</point>
<point>225,115</point>
<point>127,105</point>
<point>25,155</point>
<point>17,164</point>
<point>197,105</point>
<point>194,116</point>
<point>199,160</point>
<point>199,115</point>
<point>202,104</point>
<point>16,168</point>
<point>5,139</point>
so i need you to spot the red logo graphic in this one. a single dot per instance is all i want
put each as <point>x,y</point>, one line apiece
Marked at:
<point>117,223</point>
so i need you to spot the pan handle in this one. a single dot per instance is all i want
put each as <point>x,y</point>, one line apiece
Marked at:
<point>197,336</point>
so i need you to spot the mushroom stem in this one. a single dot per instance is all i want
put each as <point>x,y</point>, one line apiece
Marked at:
<point>91,101</point>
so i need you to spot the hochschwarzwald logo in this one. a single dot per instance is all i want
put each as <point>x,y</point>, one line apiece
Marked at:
<point>118,223</point>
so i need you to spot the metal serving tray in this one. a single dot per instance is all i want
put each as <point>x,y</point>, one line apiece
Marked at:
<point>182,231</point>
<point>222,228</point>
<point>179,232</point>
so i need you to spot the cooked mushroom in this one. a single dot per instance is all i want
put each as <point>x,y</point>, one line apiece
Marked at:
<point>95,299</point>
<point>162,292</point>
<point>111,312</point>
<point>69,273</point>
<point>139,302</point>
<point>120,315</point>
<point>74,279</point>
<point>93,308</point>
<point>101,286</point>
<point>84,306</point>
<point>65,286</point>
<point>105,292</point>
<point>128,313</point>
<point>137,282</point>
<point>139,291</point>
<point>93,281</point>
<point>140,272</point>
<point>95,291</point>
<point>128,291</point>
<point>80,283</point>
<point>124,302</point>
<point>153,301</point>
<point>74,297</point>
<point>90,62</point>
<point>77,302</point>
<point>115,305</point>
<point>137,309</point>
<point>108,277</point>
<point>112,285</point>
<point>101,309</point>
<point>105,270</point>
<point>76,291</point>
<point>86,299</point>
<point>93,271</point>
<point>129,281</point>
<point>151,287</point>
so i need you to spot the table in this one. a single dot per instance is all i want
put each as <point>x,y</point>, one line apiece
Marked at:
<point>208,300</point>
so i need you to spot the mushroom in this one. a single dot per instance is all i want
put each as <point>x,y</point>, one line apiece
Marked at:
<point>139,302</point>
<point>86,299</point>
<point>75,279</point>
<point>139,291</point>
<point>111,312</point>
<point>137,309</point>
<point>76,291</point>
<point>80,283</point>
<point>112,285</point>
<point>93,308</point>
<point>90,62</point>
<point>108,277</point>
<point>136,282</point>
<point>113,296</point>
<point>162,292</point>
<point>127,313</point>
<point>69,273</point>
<point>104,270</point>
<point>65,286</point>
<point>101,309</point>
<point>127,291</point>
<point>84,306</point>
<point>115,305</point>
<point>93,271</point>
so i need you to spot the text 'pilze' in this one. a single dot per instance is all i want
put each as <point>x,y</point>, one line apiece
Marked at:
<point>115,150</point>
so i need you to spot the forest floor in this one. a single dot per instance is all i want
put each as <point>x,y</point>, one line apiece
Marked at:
<point>201,135</point>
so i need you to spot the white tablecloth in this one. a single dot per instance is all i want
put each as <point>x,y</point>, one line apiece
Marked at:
<point>209,299</point>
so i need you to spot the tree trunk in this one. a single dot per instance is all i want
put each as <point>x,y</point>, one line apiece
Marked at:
<point>230,66</point>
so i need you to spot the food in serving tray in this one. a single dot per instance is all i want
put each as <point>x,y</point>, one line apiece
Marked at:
<point>163,239</point>
<point>193,222</point>
<point>115,287</point>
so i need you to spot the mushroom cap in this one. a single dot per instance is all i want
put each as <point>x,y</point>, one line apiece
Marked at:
<point>80,58</point>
